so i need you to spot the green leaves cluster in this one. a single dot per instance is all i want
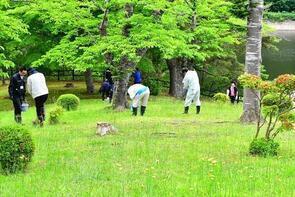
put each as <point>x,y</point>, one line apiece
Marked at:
<point>67,32</point>
<point>11,30</point>
<point>276,100</point>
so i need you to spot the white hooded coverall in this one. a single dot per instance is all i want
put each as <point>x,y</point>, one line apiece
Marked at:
<point>192,85</point>
<point>139,93</point>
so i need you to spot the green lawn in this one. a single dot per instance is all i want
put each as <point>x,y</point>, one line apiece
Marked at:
<point>164,153</point>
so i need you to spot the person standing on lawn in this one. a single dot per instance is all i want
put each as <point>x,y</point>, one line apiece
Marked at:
<point>106,91</point>
<point>233,93</point>
<point>139,95</point>
<point>191,86</point>
<point>36,86</point>
<point>17,92</point>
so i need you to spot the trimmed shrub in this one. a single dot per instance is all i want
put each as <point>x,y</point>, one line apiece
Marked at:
<point>16,148</point>
<point>54,115</point>
<point>221,97</point>
<point>264,147</point>
<point>68,102</point>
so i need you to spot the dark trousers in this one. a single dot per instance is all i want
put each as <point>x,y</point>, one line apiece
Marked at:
<point>40,108</point>
<point>17,102</point>
<point>232,99</point>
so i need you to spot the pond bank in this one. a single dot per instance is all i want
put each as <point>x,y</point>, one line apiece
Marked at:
<point>282,26</point>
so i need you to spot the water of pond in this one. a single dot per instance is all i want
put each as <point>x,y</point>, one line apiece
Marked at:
<point>283,60</point>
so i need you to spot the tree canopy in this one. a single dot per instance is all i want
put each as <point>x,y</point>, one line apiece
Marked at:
<point>12,30</point>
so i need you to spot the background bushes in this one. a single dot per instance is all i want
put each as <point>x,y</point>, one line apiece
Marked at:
<point>16,148</point>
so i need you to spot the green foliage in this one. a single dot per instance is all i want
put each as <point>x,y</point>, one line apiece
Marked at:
<point>276,102</point>
<point>12,29</point>
<point>281,5</point>
<point>264,147</point>
<point>16,149</point>
<point>81,46</point>
<point>221,97</point>
<point>154,86</point>
<point>68,102</point>
<point>280,16</point>
<point>240,8</point>
<point>55,114</point>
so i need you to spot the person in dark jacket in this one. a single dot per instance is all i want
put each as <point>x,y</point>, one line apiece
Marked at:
<point>108,76</point>
<point>137,76</point>
<point>233,93</point>
<point>106,90</point>
<point>17,91</point>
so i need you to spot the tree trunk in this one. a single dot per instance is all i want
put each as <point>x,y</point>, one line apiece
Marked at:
<point>121,85</point>
<point>89,81</point>
<point>120,101</point>
<point>253,59</point>
<point>175,70</point>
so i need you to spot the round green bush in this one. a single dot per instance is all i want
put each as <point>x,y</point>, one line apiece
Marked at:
<point>54,115</point>
<point>221,97</point>
<point>68,102</point>
<point>264,147</point>
<point>16,148</point>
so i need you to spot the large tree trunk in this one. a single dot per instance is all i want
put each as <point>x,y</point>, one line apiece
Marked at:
<point>89,81</point>
<point>175,71</point>
<point>120,101</point>
<point>253,59</point>
<point>121,85</point>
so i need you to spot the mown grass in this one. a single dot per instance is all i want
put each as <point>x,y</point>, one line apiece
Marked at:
<point>164,153</point>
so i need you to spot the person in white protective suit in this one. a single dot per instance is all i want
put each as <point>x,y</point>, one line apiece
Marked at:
<point>192,87</point>
<point>139,95</point>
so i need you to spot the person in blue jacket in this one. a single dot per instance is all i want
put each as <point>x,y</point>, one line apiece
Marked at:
<point>137,76</point>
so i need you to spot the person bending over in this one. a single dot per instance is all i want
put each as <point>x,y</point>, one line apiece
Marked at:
<point>37,87</point>
<point>139,94</point>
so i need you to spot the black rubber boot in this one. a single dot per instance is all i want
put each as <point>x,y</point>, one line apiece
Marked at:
<point>198,109</point>
<point>134,111</point>
<point>142,110</point>
<point>18,119</point>
<point>41,120</point>
<point>186,110</point>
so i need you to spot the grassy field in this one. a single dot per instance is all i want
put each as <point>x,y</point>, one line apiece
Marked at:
<point>164,153</point>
